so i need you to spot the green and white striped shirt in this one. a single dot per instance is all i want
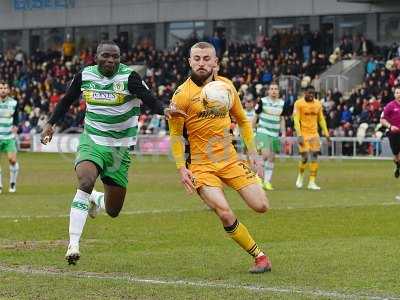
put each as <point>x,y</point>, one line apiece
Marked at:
<point>250,114</point>
<point>112,112</point>
<point>270,118</point>
<point>7,111</point>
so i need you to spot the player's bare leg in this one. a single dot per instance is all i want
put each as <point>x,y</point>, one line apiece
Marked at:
<point>255,198</point>
<point>114,199</point>
<point>87,174</point>
<point>396,160</point>
<point>111,200</point>
<point>397,165</point>
<point>14,169</point>
<point>215,198</point>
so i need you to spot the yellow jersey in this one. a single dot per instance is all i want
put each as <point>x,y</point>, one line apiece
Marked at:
<point>208,128</point>
<point>307,115</point>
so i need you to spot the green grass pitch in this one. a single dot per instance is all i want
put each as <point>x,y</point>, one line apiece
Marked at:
<point>338,243</point>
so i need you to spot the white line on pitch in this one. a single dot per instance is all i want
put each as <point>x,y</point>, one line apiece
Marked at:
<point>201,284</point>
<point>180,210</point>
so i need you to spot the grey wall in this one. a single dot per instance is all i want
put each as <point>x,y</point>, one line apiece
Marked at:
<point>106,12</point>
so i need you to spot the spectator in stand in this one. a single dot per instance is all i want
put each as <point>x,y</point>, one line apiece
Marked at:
<point>346,47</point>
<point>366,47</point>
<point>39,80</point>
<point>216,41</point>
<point>68,48</point>
<point>345,115</point>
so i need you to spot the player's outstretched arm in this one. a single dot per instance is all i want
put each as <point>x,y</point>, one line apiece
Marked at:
<point>178,152</point>
<point>47,134</point>
<point>246,132</point>
<point>72,94</point>
<point>138,87</point>
<point>322,124</point>
<point>296,121</point>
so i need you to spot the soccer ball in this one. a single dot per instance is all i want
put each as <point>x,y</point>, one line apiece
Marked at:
<point>218,94</point>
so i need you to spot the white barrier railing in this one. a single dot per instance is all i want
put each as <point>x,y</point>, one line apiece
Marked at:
<point>339,147</point>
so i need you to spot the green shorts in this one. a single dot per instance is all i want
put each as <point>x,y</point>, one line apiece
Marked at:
<point>8,146</point>
<point>266,142</point>
<point>113,162</point>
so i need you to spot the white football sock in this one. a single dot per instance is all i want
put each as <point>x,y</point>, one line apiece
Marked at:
<point>268,170</point>
<point>98,199</point>
<point>14,172</point>
<point>78,215</point>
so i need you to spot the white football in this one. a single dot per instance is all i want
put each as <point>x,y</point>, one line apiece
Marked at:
<point>218,94</point>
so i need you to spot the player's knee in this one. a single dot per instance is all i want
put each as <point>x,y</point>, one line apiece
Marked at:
<point>314,156</point>
<point>225,215</point>
<point>86,184</point>
<point>262,205</point>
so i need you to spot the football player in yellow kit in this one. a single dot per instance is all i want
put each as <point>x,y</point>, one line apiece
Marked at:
<point>307,115</point>
<point>213,159</point>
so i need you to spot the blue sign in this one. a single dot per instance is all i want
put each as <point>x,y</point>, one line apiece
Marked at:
<point>43,4</point>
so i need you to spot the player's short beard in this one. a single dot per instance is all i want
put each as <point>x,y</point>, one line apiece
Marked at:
<point>200,78</point>
<point>309,99</point>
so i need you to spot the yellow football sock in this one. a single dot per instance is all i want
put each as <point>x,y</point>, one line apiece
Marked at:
<point>313,170</point>
<point>239,233</point>
<point>302,167</point>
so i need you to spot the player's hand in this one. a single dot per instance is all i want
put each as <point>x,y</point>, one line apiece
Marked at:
<point>187,180</point>
<point>300,140</point>
<point>47,134</point>
<point>14,130</point>
<point>328,139</point>
<point>257,164</point>
<point>172,112</point>
<point>394,129</point>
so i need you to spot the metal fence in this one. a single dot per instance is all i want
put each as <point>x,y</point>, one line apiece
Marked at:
<point>341,147</point>
<point>338,147</point>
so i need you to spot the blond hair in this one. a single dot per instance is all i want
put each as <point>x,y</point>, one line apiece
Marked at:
<point>202,45</point>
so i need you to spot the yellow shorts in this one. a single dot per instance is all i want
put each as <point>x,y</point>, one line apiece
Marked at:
<point>311,144</point>
<point>237,174</point>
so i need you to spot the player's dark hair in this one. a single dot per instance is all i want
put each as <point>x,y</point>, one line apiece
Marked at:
<point>396,87</point>
<point>273,83</point>
<point>105,42</point>
<point>310,88</point>
<point>2,82</point>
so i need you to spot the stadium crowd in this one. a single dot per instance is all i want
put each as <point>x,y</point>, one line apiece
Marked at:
<point>38,81</point>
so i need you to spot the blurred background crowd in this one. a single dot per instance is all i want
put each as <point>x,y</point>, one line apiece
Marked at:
<point>39,81</point>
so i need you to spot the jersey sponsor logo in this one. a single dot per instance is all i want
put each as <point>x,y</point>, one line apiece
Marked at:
<point>310,113</point>
<point>104,96</point>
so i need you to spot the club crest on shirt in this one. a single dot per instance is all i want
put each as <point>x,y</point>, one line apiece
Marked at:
<point>118,86</point>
